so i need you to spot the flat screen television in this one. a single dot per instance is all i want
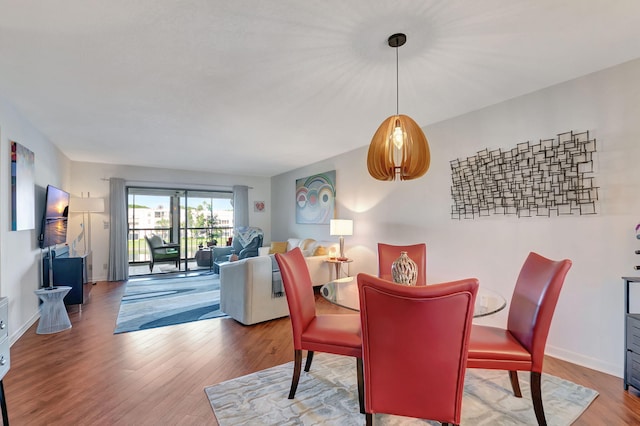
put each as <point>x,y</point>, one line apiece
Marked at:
<point>54,219</point>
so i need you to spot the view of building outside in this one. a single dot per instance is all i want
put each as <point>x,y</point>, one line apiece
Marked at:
<point>203,222</point>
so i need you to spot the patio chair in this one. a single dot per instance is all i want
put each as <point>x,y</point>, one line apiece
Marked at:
<point>161,251</point>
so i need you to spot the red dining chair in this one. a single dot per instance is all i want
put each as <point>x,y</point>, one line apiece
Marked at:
<point>520,347</point>
<point>333,333</point>
<point>414,347</point>
<point>387,253</point>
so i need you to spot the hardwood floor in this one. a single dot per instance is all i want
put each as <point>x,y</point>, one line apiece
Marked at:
<point>89,376</point>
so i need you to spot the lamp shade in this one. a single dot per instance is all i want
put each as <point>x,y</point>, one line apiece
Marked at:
<point>385,159</point>
<point>341,227</point>
<point>86,205</point>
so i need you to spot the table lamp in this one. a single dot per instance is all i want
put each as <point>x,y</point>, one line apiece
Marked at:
<point>341,227</point>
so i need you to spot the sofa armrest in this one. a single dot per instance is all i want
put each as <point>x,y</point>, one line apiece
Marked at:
<point>246,291</point>
<point>221,253</point>
<point>248,252</point>
<point>319,270</point>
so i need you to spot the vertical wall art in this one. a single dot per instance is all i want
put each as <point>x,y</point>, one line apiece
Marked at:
<point>22,188</point>
<point>552,177</point>
<point>316,198</point>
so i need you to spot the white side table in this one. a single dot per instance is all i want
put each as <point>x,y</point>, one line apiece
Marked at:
<point>53,313</point>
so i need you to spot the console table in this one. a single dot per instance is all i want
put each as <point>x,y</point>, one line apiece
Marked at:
<point>68,271</point>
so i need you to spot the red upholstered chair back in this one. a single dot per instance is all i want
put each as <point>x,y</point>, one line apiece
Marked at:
<point>299,290</point>
<point>387,253</point>
<point>414,345</point>
<point>534,301</point>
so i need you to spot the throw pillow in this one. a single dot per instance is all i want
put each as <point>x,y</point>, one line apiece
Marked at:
<point>278,247</point>
<point>320,251</point>
<point>307,246</point>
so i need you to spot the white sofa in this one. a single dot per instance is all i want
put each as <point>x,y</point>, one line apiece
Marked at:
<point>246,291</point>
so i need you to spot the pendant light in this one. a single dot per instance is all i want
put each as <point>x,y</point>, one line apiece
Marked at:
<point>399,147</point>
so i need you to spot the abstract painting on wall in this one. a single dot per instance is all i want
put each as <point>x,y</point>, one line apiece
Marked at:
<point>316,198</point>
<point>22,188</point>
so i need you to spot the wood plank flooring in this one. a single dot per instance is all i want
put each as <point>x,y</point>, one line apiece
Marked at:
<point>89,376</point>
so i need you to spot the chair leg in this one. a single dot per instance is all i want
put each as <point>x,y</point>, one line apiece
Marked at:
<point>369,419</point>
<point>3,406</point>
<point>360,373</point>
<point>297,365</point>
<point>515,384</point>
<point>151,266</point>
<point>536,395</point>
<point>307,365</point>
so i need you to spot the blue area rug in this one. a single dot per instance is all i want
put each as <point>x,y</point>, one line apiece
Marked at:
<point>161,301</point>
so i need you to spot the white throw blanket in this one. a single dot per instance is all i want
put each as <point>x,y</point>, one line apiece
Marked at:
<point>276,278</point>
<point>246,234</point>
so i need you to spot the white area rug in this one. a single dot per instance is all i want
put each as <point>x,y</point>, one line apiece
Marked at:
<point>327,395</point>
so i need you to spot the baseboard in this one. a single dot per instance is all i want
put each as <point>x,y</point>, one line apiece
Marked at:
<point>585,361</point>
<point>19,332</point>
<point>99,277</point>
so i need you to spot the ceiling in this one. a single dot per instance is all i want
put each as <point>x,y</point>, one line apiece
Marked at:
<point>263,87</point>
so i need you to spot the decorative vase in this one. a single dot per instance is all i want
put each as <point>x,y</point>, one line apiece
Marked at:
<point>404,270</point>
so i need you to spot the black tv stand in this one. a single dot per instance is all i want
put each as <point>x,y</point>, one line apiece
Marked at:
<point>67,271</point>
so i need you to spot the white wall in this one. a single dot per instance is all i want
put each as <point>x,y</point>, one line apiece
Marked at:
<point>589,322</point>
<point>20,257</point>
<point>93,178</point>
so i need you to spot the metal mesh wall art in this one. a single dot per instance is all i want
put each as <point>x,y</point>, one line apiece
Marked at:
<point>552,177</point>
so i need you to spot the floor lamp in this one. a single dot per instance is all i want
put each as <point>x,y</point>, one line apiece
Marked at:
<point>86,205</point>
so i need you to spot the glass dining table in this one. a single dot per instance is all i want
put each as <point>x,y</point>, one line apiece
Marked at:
<point>344,292</point>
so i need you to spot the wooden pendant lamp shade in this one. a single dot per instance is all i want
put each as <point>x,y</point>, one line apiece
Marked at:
<point>399,147</point>
<point>385,161</point>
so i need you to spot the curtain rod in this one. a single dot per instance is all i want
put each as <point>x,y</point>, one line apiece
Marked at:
<point>175,185</point>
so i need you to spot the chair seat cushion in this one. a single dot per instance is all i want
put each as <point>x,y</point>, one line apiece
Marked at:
<point>493,347</point>
<point>170,254</point>
<point>338,334</point>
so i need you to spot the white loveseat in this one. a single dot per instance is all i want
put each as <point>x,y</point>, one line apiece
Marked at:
<point>246,286</point>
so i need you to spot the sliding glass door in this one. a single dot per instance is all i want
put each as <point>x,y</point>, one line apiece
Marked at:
<point>195,219</point>
<point>207,220</point>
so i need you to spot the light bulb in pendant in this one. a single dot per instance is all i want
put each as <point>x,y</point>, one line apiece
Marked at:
<point>398,136</point>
